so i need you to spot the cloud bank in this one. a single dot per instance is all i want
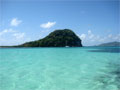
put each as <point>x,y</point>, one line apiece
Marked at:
<point>12,37</point>
<point>90,38</point>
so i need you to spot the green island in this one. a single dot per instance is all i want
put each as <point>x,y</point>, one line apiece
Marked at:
<point>57,38</point>
<point>60,38</point>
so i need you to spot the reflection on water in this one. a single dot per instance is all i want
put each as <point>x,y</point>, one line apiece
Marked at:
<point>109,50</point>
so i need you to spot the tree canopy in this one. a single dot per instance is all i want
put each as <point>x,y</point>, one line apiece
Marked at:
<point>57,38</point>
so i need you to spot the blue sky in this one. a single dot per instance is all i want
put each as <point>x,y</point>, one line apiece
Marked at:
<point>94,21</point>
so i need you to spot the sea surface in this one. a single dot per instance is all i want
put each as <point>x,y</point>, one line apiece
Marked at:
<point>82,68</point>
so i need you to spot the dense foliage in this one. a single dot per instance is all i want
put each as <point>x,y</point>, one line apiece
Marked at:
<point>58,38</point>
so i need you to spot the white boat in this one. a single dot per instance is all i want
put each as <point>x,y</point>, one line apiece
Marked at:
<point>66,46</point>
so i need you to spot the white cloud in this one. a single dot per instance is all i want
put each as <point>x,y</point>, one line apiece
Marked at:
<point>89,32</point>
<point>110,35</point>
<point>47,25</point>
<point>90,38</point>
<point>6,31</point>
<point>12,32</point>
<point>97,37</point>
<point>15,22</point>
<point>117,37</point>
<point>101,40</point>
<point>83,36</point>
<point>19,35</point>
<point>12,37</point>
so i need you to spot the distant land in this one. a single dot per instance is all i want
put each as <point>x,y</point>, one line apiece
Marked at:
<point>60,38</point>
<point>115,43</point>
<point>57,38</point>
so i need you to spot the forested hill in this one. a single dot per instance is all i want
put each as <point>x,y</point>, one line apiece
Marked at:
<point>57,38</point>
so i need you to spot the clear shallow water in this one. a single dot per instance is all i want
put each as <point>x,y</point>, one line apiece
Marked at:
<point>86,68</point>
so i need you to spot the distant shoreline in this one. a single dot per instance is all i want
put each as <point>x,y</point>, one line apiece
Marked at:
<point>109,44</point>
<point>55,47</point>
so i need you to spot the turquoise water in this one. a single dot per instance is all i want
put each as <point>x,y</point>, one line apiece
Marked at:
<point>86,68</point>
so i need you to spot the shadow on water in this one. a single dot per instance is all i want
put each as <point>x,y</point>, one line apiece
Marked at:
<point>108,50</point>
<point>107,78</point>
